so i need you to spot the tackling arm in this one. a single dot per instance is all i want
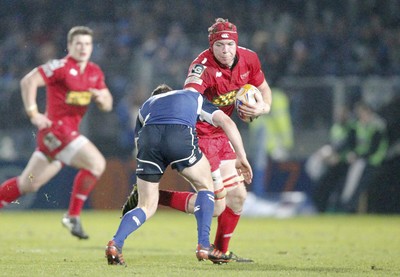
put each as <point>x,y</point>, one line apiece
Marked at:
<point>220,119</point>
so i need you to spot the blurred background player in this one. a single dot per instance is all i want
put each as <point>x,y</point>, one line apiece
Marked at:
<point>218,73</point>
<point>162,118</point>
<point>72,83</point>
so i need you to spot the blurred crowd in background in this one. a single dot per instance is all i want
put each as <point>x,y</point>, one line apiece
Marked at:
<point>140,44</point>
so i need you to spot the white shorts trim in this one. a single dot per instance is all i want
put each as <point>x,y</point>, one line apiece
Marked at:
<point>71,149</point>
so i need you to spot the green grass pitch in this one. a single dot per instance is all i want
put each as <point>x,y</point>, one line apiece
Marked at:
<point>34,243</point>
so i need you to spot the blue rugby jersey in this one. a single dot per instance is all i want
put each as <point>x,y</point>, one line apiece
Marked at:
<point>184,107</point>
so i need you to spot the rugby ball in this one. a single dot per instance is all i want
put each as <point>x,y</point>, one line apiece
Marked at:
<point>245,95</point>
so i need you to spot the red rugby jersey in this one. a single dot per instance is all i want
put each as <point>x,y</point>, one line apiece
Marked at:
<point>67,95</point>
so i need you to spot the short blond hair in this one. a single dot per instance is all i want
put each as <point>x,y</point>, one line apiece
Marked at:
<point>79,30</point>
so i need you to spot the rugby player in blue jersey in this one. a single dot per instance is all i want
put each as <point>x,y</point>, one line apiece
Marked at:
<point>166,135</point>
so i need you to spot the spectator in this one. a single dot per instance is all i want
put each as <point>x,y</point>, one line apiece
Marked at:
<point>370,148</point>
<point>331,159</point>
<point>271,138</point>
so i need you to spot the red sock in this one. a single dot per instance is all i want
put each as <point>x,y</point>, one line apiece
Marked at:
<point>9,192</point>
<point>175,199</point>
<point>227,222</point>
<point>83,184</point>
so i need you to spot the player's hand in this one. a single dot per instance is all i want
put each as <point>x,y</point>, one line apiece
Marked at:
<point>243,168</point>
<point>97,95</point>
<point>41,121</point>
<point>102,98</point>
<point>257,109</point>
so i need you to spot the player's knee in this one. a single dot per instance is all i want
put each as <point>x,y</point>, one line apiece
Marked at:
<point>149,209</point>
<point>98,167</point>
<point>29,185</point>
<point>219,196</point>
<point>202,186</point>
<point>241,196</point>
<point>219,207</point>
<point>235,198</point>
<point>220,193</point>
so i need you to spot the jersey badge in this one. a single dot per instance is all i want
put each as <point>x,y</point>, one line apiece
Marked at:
<point>73,72</point>
<point>197,70</point>
<point>245,75</point>
<point>93,79</point>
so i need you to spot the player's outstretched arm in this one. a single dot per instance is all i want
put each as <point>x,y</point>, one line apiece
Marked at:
<point>220,119</point>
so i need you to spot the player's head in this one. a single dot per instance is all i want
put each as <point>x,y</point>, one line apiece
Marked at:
<point>163,88</point>
<point>223,39</point>
<point>80,43</point>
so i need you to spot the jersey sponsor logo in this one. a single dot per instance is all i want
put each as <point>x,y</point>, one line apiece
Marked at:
<point>93,79</point>
<point>50,66</point>
<point>218,74</point>
<point>137,221</point>
<point>192,160</point>
<point>226,99</point>
<point>73,72</point>
<point>245,75</point>
<point>193,80</point>
<point>51,141</point>
<point>78,98</point>
<point>197,70</point>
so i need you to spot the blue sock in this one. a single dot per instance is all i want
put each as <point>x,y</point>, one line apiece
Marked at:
<point>203,211</point>
<point>131,221</point>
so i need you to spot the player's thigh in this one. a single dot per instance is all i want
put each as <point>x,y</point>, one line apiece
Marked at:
<point>87,156</point>
<point>230,177</point>
<point>199,174</point>
<point>233,183</point>
<point>38,171</point>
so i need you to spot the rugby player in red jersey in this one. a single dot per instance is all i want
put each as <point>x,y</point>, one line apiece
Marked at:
<point>72,83</point>
<point>218,73</point>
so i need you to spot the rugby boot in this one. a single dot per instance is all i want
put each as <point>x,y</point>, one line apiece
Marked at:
<point>114,254</point>
<point>73,224</point>
<point>210,253</point>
